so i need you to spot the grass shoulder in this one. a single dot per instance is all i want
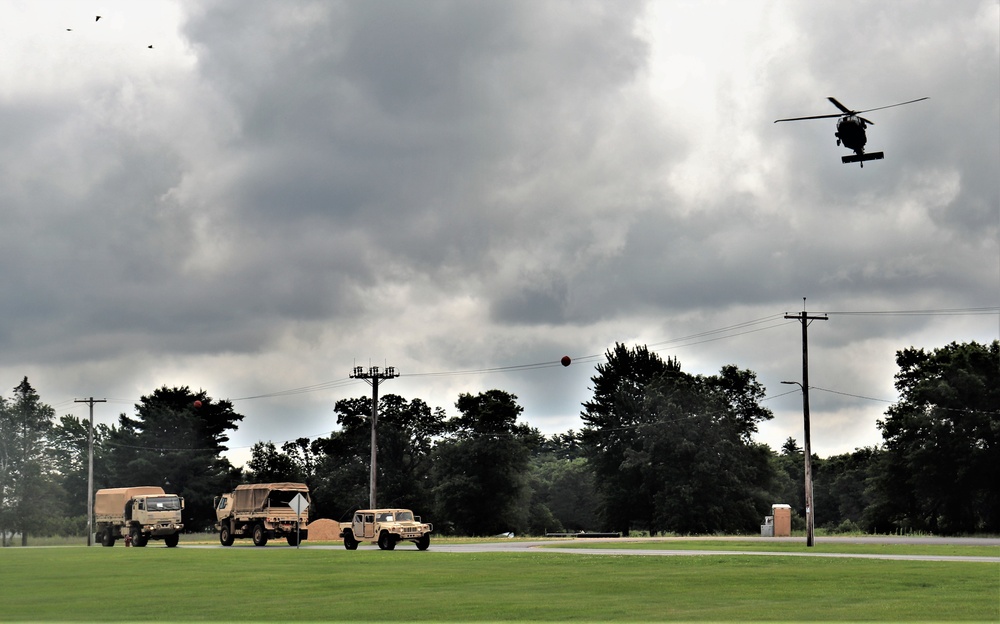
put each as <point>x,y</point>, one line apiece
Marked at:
<point>825,545</point>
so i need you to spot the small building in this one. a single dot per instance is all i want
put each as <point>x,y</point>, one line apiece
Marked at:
<point>782,520</point>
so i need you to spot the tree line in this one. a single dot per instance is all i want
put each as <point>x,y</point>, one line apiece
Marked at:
<point>659,451</point>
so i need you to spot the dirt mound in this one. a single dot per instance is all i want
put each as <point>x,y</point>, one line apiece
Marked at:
<point>324,530</point>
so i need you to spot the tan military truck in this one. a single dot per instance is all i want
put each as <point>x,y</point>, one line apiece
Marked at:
<point>263,511</point>
<point>138,513</point>
<point>385,527</point>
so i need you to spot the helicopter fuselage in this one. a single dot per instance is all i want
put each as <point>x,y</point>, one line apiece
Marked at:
<point>851,132</point>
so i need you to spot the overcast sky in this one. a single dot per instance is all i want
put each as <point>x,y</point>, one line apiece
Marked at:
<point>277,192</point>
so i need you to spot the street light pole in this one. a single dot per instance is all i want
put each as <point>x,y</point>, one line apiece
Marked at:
<point>373,376</point>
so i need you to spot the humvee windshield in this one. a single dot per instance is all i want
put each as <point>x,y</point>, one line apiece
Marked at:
<point>163,503</point>
<point>404,516</point>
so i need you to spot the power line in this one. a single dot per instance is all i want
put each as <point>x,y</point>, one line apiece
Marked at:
<point>988,310</point>
<point>713,335</point>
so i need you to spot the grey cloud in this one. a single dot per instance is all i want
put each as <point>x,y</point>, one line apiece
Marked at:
<point>466,185</point>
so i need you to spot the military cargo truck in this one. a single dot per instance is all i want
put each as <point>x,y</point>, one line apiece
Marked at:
<point>385,527</point>
<point>139,514</point>
<point>263,511</point>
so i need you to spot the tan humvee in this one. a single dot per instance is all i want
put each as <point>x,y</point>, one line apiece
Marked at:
<point>263,511</point>
<point>385,527</point>
<point>138,513</point>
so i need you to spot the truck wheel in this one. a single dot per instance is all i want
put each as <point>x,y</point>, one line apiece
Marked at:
<point>107,539</point>
<point>259,535</point>
<point>349,542</point>
<point>138,539</point>
<point>424,542</point>
<point>385,541</point>
<point>171,540</point>
<point>226,536</point>
<point>293,539</point>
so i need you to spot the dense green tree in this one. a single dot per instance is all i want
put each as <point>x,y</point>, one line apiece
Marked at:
<point>269,465</point>
<point>675,452</point>
<point>788,484</point>
<point>563,486</point>
<point>343,466</point>
<point>28,499</point>
<point>7,456</point>
<point>69,450</point>
<point>406,432</point>
<point>941,462</point>
<point>840,489</point>
<point>611,432</point>
<point>177,444</point>
<point>302,454</point>
<point>480,472</point>
<point>697,460</point>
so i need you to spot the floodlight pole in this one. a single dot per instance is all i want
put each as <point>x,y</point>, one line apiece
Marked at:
<point>807,450</point>
<point>373,376</point>
<point>90,467</point>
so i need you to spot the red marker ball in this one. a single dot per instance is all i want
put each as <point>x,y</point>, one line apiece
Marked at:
<point>565,360</point>
<point>197,403</point>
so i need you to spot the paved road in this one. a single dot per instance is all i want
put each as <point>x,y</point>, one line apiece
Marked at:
<point>581,549</point>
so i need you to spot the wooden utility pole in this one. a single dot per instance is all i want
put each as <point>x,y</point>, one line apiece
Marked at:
<point>810,509</point>
<point>373,376</point>
<point>90,467</point>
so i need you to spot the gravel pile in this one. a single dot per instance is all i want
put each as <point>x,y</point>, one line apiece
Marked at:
<point>324,530</point>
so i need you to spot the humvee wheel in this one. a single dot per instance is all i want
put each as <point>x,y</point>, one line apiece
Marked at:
<point>349,542</point>
<point>226,536</point>
<point>424,542</point>
<point>259,535</point>
<point>171,540</point>
<point>385,541</point>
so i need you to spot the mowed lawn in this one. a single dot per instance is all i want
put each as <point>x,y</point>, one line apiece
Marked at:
<point>278,583</point>
<point>828,545</point>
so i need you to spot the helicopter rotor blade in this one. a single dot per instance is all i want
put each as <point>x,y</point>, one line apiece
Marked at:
<point>891,105</point>
<point>867,121</point>
<point>846,110</point>
<point>812,117</point>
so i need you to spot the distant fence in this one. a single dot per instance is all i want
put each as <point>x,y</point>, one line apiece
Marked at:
<point>583,535</point>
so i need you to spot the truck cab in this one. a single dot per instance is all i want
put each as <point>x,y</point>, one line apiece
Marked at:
<point>156,516</point>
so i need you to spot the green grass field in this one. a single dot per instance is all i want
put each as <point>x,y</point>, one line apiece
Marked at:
<point>821,546</point>
<point>284,584</point>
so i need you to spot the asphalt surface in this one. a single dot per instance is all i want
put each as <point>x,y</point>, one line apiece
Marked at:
<point>579,547</point>
<point>666,551</point>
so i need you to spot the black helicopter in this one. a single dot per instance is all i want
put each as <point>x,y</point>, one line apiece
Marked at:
<point>851,130</point>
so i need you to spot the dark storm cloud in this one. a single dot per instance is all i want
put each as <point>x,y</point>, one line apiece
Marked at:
<point>448,136</point>
<point>278,191</point>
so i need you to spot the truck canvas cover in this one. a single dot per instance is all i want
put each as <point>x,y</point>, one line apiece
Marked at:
<point>111,501</point>
<point>258,496</point>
